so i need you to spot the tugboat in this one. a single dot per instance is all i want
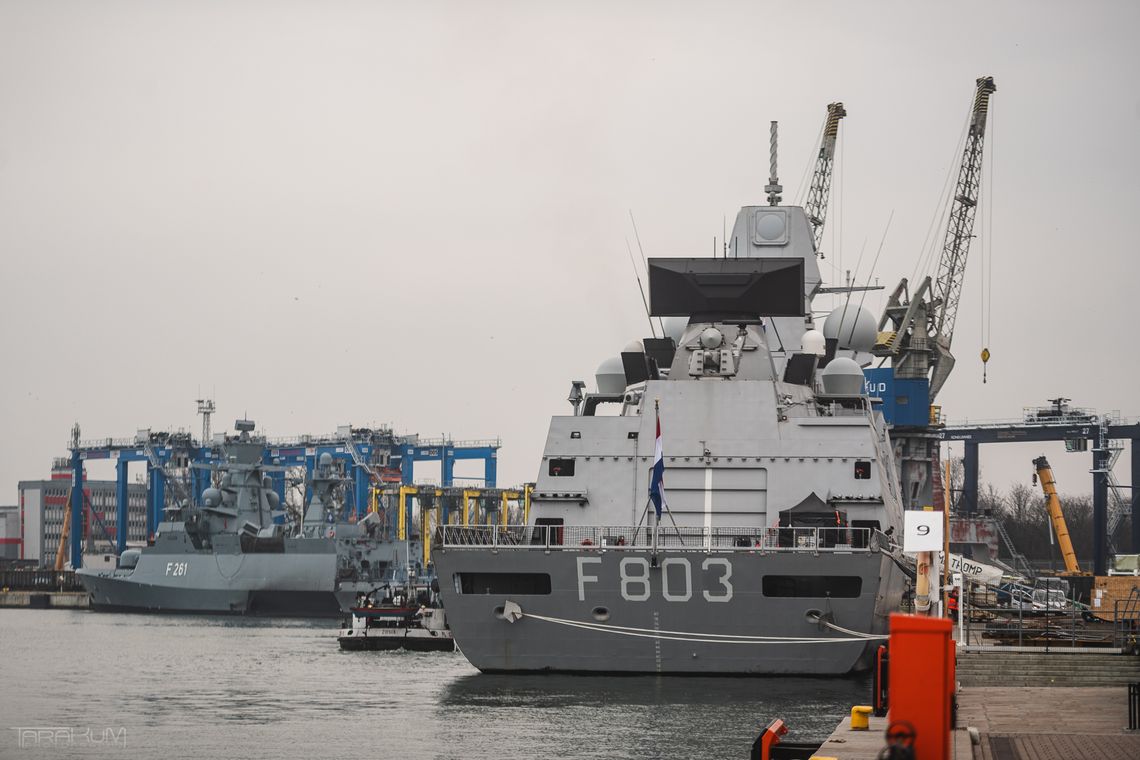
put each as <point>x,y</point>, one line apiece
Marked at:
<point>399,621</point>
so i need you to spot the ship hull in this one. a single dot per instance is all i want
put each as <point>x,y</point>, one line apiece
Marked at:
<point>285,584</point>
<point>676,622</point>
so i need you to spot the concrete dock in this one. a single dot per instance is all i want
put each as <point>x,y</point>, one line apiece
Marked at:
<point>1018,723</point>
<point>46,599</point>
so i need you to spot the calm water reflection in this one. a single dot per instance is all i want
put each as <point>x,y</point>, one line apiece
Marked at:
<point>205,687</point>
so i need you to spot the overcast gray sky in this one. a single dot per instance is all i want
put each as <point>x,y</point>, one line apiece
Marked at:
<point>331,212</point>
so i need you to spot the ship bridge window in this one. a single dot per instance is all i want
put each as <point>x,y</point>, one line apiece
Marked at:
<point>503,583</point>
<point>561,468</point>
<point>862,470</point>
<point>813,586</point>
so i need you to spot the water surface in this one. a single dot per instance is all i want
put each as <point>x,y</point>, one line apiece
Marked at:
<point>204,687</point>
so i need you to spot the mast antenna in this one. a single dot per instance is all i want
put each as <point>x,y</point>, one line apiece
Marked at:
<point>773,188</point>
<point>640,287</point>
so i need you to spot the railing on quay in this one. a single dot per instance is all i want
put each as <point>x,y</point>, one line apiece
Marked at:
<point>39,580</point>
<point>586,537</point>
<point>1015,620</point>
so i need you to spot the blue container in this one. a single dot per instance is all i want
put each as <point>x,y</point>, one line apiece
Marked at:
<point>904,402</point>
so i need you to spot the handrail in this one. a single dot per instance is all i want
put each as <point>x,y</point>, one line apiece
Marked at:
<point>695,538</point>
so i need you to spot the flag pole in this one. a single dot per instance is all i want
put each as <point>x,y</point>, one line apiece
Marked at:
<point>657,510</point>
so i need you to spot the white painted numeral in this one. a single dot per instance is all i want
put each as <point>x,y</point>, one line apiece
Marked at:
<point>688,576</point>
<point>641,578</point>
<point>727,566</point>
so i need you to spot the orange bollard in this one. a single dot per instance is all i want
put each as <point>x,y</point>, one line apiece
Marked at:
<point>770,738</point>
<point>921,686</point>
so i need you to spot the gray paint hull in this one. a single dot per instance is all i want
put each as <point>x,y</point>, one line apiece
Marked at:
<point>492,644</point>
<point>301,584</point>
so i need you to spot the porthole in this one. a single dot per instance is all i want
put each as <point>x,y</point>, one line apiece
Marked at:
<point>601,614</point>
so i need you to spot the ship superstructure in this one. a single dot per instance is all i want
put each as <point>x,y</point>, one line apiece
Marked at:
<point>774,554</point>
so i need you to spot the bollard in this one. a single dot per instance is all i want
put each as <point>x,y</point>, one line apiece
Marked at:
<point>880,681</point>
<point>860,717</point>
<point>762,747</point>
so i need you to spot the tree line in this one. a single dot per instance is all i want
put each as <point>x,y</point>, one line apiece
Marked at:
<point>1022,512</point>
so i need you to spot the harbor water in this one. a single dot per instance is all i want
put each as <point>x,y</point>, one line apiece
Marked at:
<point>172,686</point>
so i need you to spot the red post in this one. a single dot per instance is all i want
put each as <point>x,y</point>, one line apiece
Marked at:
<point>771,737</point>
<point>922,681</point>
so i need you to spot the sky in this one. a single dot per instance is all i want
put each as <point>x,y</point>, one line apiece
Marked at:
<point>416,214</point>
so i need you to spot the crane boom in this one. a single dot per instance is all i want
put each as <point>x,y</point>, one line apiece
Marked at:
<point>960,230</point>
<point>816,206</point>
<point>1053,504</point>
<point>916,332</point>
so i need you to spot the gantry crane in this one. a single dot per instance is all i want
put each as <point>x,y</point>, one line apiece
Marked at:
<point>816,206</point>
<point>1044,473</point>
<point>921,325</point>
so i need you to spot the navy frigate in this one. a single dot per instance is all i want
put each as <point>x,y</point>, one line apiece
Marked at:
<point>774,552</point>
<point>233,555</point>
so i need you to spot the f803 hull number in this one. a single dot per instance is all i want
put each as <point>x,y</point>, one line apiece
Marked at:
<point>676,579</point>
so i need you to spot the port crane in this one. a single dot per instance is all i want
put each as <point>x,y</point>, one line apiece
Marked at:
<point>916,329</point>
<point>1043,473</point>
<point>820,190</point>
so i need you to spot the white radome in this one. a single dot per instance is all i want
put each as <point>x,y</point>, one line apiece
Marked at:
<point>843,377</point>
<point>853,326</point>
<point>813,342</point>
<point>610,376</point>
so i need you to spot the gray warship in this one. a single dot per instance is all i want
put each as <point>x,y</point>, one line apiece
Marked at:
<point>774,553</point>
<point>232,555</point>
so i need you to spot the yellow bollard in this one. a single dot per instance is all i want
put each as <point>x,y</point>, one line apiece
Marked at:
<point>860,717</point>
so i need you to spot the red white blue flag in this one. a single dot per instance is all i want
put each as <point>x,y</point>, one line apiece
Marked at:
<point>657,482</point>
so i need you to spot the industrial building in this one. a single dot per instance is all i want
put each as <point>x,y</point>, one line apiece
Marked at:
<point>44,503</point>
<point>10,542</point>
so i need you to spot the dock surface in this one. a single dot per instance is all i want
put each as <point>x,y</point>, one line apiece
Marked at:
<point>1018,723</point>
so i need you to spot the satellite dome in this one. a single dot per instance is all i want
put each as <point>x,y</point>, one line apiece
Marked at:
<point>610,376</point>
<point>843,377</point>
<point>711,338</point>
<point>853,326</point>
<point>634,346</point>
<point>325,459</point>
<point>813,342</point>
<point>675,327</point>
<point>212,497</point>
<point>273,499</point>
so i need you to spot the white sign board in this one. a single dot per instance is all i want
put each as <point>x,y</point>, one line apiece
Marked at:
<point>977,572</point>
<point>922,531</point>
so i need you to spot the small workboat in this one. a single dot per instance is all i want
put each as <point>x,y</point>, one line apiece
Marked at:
<point>402,619</point>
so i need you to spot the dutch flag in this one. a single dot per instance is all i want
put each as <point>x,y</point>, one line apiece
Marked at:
<point>657,482</point>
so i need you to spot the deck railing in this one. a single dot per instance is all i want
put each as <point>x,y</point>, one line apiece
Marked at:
<point>588,537</point>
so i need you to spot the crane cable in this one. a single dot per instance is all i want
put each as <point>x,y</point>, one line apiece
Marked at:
<point>986,208</point>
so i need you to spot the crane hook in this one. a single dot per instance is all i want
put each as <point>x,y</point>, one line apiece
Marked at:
<point>985,359</point>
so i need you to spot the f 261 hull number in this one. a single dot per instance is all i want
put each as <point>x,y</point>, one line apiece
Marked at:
<point>177,568</point>
<point>675,576</point>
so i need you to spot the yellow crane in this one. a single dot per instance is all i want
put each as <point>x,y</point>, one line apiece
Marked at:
<point>1044,474</point>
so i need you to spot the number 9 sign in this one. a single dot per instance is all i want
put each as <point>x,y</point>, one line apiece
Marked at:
<point>922,531</point>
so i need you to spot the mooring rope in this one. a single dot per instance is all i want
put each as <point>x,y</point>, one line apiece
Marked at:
<point>706,638</point>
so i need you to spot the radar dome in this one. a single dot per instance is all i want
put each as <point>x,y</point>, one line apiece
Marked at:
<point>675,327</point>
<point>813,342</point>
<point>634,346</point>
<point>325,459</point>
<point>212,497</point>
<point>610,376</point>
<point>273,499</point>
<point>853,326</point>
<point>843,377</point>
